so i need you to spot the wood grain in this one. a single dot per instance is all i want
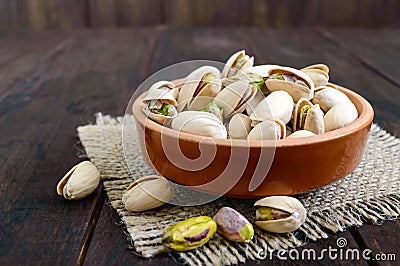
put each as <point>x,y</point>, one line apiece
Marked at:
<point>95,72</point>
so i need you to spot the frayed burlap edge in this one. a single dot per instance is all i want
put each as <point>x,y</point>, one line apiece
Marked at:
<point>370,194</point>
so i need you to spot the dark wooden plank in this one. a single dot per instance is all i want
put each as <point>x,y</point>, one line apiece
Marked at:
<point>306,47</point>
<point>377,49</point>
<point>95,72</point>
<point>44,14</point>
<point>21,53</point>
<point>383,241</point>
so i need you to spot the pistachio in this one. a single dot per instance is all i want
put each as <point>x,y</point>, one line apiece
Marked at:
<point>328,96</point>
<point>214,109</point>
<point>234,226</point>
<point>147,193</point>
<point>280,214</point>
<point>300,134</point>
<point>239,126</point>
<point>189,234</point>
<point>237,62</point>
<point>339,116</point>
<point>79,182</point>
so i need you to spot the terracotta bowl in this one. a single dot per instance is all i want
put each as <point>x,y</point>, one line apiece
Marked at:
<point>298,165</point>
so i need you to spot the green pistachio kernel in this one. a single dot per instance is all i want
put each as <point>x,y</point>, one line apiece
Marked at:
<point>277,76</point>
<point>214,109</point>
<point>268,213</point>
<point>189,234</point>
<point>209,77</point>
<point>247,232</point>
<point>164,110</point>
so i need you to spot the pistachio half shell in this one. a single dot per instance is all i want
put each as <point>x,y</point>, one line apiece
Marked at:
<point>238,61</point>
<point>339,116</point>
<point>268,130</point>
<point>233,225</point>
<point>199,123</point>
<point>328,96</point>
<point>280,214</point>
<point>318,74</point>
<point>291,80</point>
<point>147,193</point>
<point>189,234</point>
<point>239,126</point>
<point>79,182</point>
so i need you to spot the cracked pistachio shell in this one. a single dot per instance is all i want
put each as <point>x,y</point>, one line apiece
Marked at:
<point>239,126</point>
<point>147,193</point>
<point>308,116</point>
<point>277,105</point>
<point>237,62</point>
<point>327,97</point>
<point>300,134</point>
<point>199,123</point>
<point>189,234</point>
<point>318,73</point>
<point>79,182</point>
<point>253,103</point>
<point>261,70</point>
<point>234,98</point>
<point>233,225</point>
<point>280,214</point>
<point>163,91</point>
<point>199,89</point>
<point>297,91</point>
<point>339,116</point>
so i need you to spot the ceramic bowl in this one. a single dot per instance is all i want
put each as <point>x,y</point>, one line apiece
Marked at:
<point>299,164</point>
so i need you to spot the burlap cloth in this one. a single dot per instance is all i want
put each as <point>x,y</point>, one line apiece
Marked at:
<point>370,194</point>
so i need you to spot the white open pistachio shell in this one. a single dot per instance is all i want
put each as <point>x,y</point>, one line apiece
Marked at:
<point>268,130</point>
<point>339,116</point>
<point>199,123</point>
<point>308,116</point>
<point>147,193</point>
<point>261,70</point>
<point>237,62</point>
<point>321,67</point>
<point>239,126</point>
<point>280,214</point>
<point>300,134</point>
<point>319,77</point>
<point>252,104</point>
<point>163,91</point>
<point>303,87</point>
<point>278,105</point>
<point>327,97</point>
<point>159,118</point>
<point>199,89</point>
<point>79,182</point>
<point>235,97</point>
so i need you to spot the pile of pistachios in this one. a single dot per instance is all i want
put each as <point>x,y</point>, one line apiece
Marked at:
<point>251,102</point>
<point>278,214</point>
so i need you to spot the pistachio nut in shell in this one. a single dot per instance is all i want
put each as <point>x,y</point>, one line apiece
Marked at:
<point>189,234</point>
<point>239,126</point>
<point>79,182</point>
<point>147,193</point>
<point>214,109</point>
<point>160,102</point>
<point>268,130</point>
<point>321,67</point>
<point>339,116</point>
<point>328,96</point>
<point>308,116</point>
<point>300,134</point>
<point>280,214</point>
<point>277,105</point>
<point>318,74</point>
<point>233,225</point>
<point>291,80</point>
<point>199,123</point>
<point>234,98</point>
<point>237,62</point>
<point>199,89</point>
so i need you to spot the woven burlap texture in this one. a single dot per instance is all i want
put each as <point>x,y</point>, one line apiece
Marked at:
<point>371,193</point>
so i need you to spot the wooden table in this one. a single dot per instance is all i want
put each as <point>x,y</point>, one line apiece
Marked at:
<point>52,82</point>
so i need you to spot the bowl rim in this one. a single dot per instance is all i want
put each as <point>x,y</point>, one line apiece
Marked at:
<point>365,117</point>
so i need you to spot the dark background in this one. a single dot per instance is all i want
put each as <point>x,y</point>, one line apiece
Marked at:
<point>74,14</point>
